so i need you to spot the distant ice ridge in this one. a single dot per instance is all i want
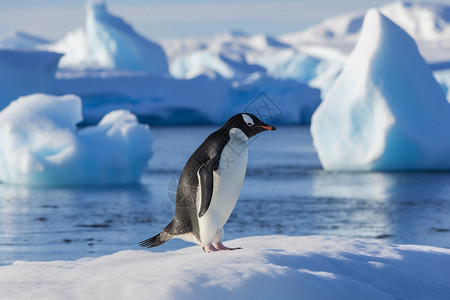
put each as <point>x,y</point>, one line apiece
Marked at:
<point>200,100</point>
<point>385,111</point>
<point>314,56</point>
<point>268,267</point>
<point>41,145</point>
<point>26,72</point>
<point>427,23</point>
<point>107,42</point>
<point>18,40</point>
<point>230,55</point>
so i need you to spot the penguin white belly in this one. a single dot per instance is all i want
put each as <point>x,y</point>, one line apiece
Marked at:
<point>227,185</point>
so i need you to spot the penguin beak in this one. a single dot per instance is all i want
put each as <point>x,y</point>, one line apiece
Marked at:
<point>268,127</point>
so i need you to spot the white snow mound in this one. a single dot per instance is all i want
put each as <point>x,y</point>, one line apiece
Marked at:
<point>107,42</point>
<point>268,267</point>
<point>40,144</point>
<point>385,111</point>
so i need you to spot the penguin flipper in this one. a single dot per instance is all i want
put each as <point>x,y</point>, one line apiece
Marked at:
<point>207,182</point>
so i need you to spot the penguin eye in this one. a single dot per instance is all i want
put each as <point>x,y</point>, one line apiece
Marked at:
<point>248,119</point>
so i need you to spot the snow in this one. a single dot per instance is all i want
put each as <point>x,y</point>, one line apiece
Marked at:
<point>385,111</point>
<point>40,144</point>
<point>268,267</point>
<point>107,42</point>
<point>23,72</point>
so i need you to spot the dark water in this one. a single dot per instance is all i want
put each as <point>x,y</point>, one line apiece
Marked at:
<point>285,192</point>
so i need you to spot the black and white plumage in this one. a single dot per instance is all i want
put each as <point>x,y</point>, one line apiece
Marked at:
<point>210,185</point>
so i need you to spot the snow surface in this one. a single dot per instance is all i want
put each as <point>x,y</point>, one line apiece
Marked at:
<point>40,144</point>
<point>107,42</point>
<point>385,111</point>
<point>268,267</point>
<point>26,72</point>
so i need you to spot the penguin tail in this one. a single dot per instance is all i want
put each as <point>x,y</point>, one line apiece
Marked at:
<point>156,240</point>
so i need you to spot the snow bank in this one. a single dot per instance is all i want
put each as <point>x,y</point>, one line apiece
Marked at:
<point>269,267</point>
<point>26,72</point>
<point>107,42</point>
<point>40,144</point>
<point>385,111</point>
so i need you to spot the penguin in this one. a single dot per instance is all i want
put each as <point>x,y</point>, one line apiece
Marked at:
<point>210,184</point>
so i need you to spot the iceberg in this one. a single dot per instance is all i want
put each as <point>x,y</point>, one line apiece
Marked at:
<point>200,100</point>
<point>231,55</point>
<point>107,42</point>
<point>41,145</point>
<point>427,23</point>
<point>385,111</point>
<point>18,40</point>
<point>24,72</point>
<point>199,62</point>
<point>268,267</point>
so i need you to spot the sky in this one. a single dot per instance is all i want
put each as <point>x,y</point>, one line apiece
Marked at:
<point>52,19</point>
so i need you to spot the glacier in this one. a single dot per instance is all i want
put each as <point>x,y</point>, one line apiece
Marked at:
<point>385,111</point>
<point>41,145</point>
<point>268,267</point>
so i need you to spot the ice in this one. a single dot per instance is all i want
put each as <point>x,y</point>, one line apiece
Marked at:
<point>232,55</point>
<point>443,77</point>
<point>235,67</point>
<point>200,100</point>
<point>26,72</point>
<point>385,111</point>
<point>107,42</point>
<point>41,145</point>
<point>427,23</point>
<point>268,267</point>
<point>15,40</point>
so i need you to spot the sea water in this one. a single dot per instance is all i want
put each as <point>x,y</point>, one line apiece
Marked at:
<point>285,192</point>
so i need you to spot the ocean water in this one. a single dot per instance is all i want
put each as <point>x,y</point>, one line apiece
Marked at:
<point>285,192</point>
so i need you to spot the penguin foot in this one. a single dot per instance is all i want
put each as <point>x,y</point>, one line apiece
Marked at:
<point>209,248</point>
<point>221,246</point>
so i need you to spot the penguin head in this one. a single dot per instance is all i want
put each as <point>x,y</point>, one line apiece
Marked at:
<point>249,124</point>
